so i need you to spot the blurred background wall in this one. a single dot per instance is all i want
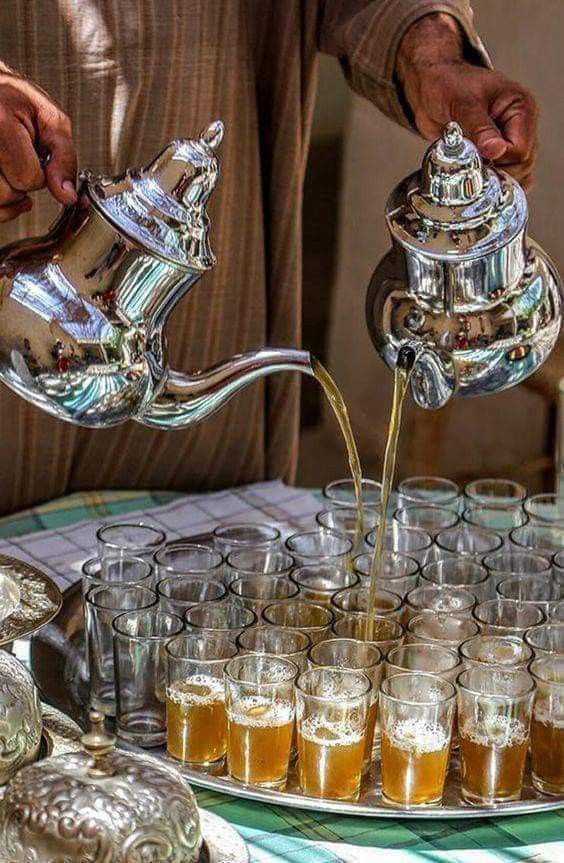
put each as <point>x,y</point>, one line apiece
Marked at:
<point>357,156</point>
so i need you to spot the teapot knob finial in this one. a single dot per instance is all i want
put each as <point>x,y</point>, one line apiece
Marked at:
<point>213,135</point>
<point>98,743</point>
<point>453,138</point>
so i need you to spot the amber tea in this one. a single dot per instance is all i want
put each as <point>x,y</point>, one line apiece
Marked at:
<point>330,758</point>
<point>415,756</point>
<point>259,740</point>
<point>196,720</point>
<point>493,756</point>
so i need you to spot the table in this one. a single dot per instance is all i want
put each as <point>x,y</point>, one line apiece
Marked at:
<point>276,834</point>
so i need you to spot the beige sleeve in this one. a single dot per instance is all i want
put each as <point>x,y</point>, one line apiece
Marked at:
<point>365,36</point>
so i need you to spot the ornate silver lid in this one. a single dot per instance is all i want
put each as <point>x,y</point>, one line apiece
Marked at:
<point>20,717</point>
<point>99,806</point>
<point>162,206</point>
<point>455,207</point>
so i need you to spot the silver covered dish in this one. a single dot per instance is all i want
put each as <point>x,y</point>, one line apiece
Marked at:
<point>20,717</point>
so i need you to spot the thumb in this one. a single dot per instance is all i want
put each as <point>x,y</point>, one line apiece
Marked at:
<point>60,171</point>
<point>477,124</point>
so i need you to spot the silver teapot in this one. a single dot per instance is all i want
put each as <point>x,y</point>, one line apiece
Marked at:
<point>82,309</point>
<point>463,285</point>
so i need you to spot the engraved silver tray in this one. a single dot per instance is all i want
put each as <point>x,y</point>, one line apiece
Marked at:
<point>34,599</point>
<point>58,667</point>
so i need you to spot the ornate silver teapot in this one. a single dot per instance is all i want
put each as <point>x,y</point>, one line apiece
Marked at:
<point>463,285</point>
<point>82,309</point>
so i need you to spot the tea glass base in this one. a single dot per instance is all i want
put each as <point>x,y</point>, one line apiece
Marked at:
<point>142,729</point>
<point>551,788</point>
<point>387,801</point>
<point>275,785</point>
<point>104,705</point>
<point>211,767</point>
<point>475,800</point>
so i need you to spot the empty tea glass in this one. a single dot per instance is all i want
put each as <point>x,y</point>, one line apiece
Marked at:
<point>398,572</point>
<point>557,613</point>
<point>461,572</point>
<point>542,539</point>
<point>495,492</point>
<point>320,546</point>
<point>331,715</point>
<point>188,558</point>
<point>507,617</point>
<point>428,489</point>
<point>440,598</point>
<point>511,561</point>
<point>140,638</point>
<point>494,713</point>
<point>443,629</point>
<point>309,617</point>
<point>177,593</point>
<point>467,540</point>
<point>360,655</point>
<point>504,650</point>
<point>280,641</point>
<point>121,570</point>
<point>103,603</point>
<point>195,698</point>
<point>416,715</point>
<point>232,537</point>
<point>413,541</point>
<point>257,561</point>
<point>355,599</point>
<point>127,539</point>
<point>319,582</point>
<point>547,725</point>
<point>426,658</point>
<point>259,696</point>
<point>546,509</point>
<point>427,517</point>
<point>342,493</point>
<point>558,568</point>
<point>219,618</point>
<point>387,632</point>
<point>344,520</point>
<point>540,590</point>
<point>499,520</point>
<point>258,591</point>
<point>547,638</point>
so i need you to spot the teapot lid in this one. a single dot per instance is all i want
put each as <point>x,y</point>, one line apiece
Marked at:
<point>456,208</point>
<point>162,207</point>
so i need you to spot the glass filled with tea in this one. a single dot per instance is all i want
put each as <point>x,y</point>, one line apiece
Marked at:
<point>309,617</point>
<point>416,715</point>
<point>547,725</point>
<point>320,582</point>
<point>494,714</point>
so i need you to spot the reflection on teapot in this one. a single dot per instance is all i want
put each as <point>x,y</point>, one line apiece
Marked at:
<point>82,309</point>
<point>477,299</point>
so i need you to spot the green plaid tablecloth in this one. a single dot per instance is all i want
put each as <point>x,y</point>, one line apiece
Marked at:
<point>277,833</point>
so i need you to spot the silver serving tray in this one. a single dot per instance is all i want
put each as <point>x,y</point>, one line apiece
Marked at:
<point>39,599</point>
<point>58,667</point>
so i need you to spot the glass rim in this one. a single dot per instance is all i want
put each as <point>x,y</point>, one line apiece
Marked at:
<point>436,480</point>
<point>120,524</point>
<point>270,579</point>
<point>444,588</point>
<point>291,666</point>
<point>189,578</point>
<point>180,546</point>
<point>396,607</point>
<point>415,567</point>
<point>199,638</point>
<point>281,630</point>
<point>362,615</point>
<point>514,639</point>
<point>492,695</point>
<point>433,647</point>
<point>220,529</point>
<point>430,615</point>
<point>484,532</point>
<point>559,564</point>
<point>370,666</point>
<point>320,556</point>
<point>118,621</point>
<point>249,549</point>
<point>515,603</point>
<point>213,627</point>
<point>385,685</point>
<point>555,496</point>
<point>527,579</point>
<point>393,526</point>
<point>114,585</point>
<point>126,557</point>
<point>357,672</point>
<point>365,483</point>
<point>493,479</point>
<point>338,572</point>
<point>462,560</point>
<point>551,658</point>
<point>313,626</point>
<point>518,553</point>
<point>537,528</point>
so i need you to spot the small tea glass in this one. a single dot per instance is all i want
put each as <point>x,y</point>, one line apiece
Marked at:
<point>416,715</point>
<point>226,618</point>
<point>511,561</point>
<point>355,599</point>
<point>558,568</point>
<point>319,583</point>
<point>103,603</point>
<point>387,632</point>
<point>331,713</point>
<point>547,725</point>
<point>423,658</point>
<point>496,519</point>
<point>259,694</point>
<point>539,590</point>
<point>507,617</point>
<point>258,591</point>
<point>140,638</point>
<point>344,520</point>
<point>188,558</point>
<point>546,509</point>
<point>341,492</point>
<point>440,599</point>
<point>320,546</point>
<point>428,517</point>
<point>460,572</point>
<point>279,641</point>
<point>542,539</point>
<point>309,617</point>
<point>413,541</point>
<point>195,699</point>
<point>121,570</point>
<point>232,537</point>
<point>362,656</point>
<point>428,489</point>
<point>467,540</point>
<point>177,593</point>
<point>256,561</point>
<point>500,493</point>
<point>398,572</point>
<point>545,639</point>
<point>444,629</point>
<point>505,651</point>
<point>127,539</point>
<point>494,714</point>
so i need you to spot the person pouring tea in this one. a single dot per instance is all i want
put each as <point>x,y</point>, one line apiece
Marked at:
<point>114,82</point>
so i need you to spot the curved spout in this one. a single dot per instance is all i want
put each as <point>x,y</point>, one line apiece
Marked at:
<point>187,399</point>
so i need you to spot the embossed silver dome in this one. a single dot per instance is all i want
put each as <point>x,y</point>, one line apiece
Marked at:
<point>20,717</point>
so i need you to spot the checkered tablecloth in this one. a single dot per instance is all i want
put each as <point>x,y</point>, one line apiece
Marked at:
<point>59,535</point>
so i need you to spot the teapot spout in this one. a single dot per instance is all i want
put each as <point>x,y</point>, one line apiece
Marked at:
<point>186,399</point>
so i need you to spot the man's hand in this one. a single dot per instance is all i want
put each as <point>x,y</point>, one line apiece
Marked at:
<point>499,115</point>
<point>32,130</point>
